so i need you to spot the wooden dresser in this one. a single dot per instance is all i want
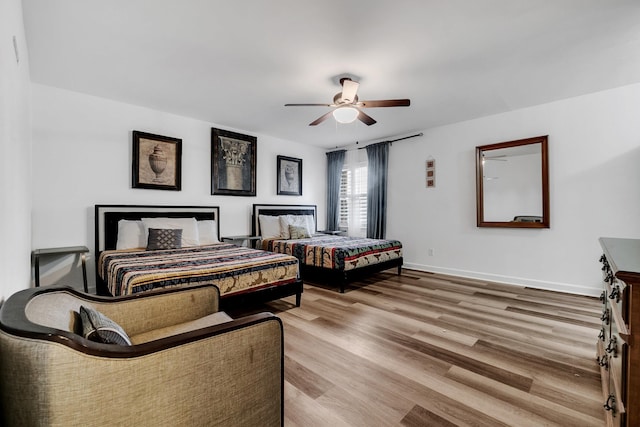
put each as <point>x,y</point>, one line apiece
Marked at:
<point>618,348</point>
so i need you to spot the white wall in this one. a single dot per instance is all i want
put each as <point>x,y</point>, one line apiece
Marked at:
<point>82,154</point>
<point>594,153</point>
<point>15,152</point>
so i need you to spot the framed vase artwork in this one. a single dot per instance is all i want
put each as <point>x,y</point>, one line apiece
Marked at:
<point>289,176</point>
<point>233,163</point>
<point>156,161</point>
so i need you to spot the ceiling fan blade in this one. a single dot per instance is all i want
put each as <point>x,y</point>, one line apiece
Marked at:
<point>321,119</point>
<point>349,90</point>
<point>308,105</point>
<point>367,120</point>
<point>385,103</point>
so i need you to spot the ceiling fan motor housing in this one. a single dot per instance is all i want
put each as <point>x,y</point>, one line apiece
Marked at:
<point>337,99</point>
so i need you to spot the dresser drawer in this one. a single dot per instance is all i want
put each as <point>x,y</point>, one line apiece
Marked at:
<point>618,352</point>
<point>612,346</point>
<point>613,402</point>
<point>621,337</point>
<point>608,396</point>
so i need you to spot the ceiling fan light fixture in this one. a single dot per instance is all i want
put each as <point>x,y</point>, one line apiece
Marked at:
<point>345,114</point>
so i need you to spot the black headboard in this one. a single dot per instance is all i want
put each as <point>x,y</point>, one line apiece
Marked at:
<point>107,217</point>
<point>275,210</point>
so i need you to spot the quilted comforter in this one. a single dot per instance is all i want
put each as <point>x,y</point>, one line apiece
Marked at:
<point>232,268</point>
<point>337,252</point>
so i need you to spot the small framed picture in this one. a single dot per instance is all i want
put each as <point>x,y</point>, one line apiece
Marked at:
<point>289,176</point>
<point>431,173</point>
<point>156,161</point>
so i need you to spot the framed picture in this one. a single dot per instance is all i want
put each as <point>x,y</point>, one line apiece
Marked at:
<point>156,161</point>
<point>431,173</point>
<point>289,176</point>
<point>233,163</point>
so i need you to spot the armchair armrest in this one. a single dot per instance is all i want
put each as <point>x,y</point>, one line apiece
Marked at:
<point>158,309</point>
<point>31,309</point>
<point>48,313</point>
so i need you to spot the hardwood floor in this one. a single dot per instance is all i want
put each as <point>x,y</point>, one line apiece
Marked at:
<point>431,350</point>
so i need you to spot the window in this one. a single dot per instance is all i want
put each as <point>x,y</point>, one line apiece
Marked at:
<point>353,194</point>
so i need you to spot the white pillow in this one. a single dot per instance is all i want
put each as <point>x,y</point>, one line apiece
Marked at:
<point>269,226</point>
<point>130,235</point>
<point>189,227</point>
<point>311,224</point>
<point>208,232</point>
<point>305,221</point>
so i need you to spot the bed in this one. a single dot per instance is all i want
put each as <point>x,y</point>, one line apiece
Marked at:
<point>125,266</point>
<point>322,256</point>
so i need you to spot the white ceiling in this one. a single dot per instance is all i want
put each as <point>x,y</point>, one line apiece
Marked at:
<point>237,62</point>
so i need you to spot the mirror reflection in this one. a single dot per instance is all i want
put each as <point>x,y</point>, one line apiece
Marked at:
<point>512,184</point>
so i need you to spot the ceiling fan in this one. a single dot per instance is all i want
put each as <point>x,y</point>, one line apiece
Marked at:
<point>347,106</point>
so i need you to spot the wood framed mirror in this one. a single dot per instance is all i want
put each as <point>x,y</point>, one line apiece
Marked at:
<point>512,184</point>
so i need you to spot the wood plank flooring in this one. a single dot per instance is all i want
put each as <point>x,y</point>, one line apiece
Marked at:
<point>424,349</point>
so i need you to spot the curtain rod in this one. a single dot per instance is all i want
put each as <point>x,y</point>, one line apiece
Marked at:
<point>393,140</point>
<point>344,147</point>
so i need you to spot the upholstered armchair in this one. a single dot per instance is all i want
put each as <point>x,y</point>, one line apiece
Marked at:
<point>188,364</point>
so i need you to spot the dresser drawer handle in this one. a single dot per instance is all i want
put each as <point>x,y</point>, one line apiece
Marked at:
<point>602,296</point>
<point>605,263</point>
<point>601,335</point>
<point>615,293</point>
<point>612,347</point>
<point>610,404</point>
<point>603,361</point>
<point>605,316</point>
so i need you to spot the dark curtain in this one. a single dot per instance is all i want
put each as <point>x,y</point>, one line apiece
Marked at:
<point>335,160</point>
<point>378,164</point>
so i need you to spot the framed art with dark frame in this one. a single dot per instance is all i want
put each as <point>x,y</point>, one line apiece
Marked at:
<point>156,162</point>
<point>233,163</point>
<point>289,176</point>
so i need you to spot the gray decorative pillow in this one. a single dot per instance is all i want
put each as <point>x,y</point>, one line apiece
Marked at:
<point>298,232</point>
<point>99,328</point>
<point>164,238</point>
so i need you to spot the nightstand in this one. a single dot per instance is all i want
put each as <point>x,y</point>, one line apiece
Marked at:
<point>243,240</point>
<point>67,250</point>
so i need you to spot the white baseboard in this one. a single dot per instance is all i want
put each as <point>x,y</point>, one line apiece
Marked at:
<point>509,280</point>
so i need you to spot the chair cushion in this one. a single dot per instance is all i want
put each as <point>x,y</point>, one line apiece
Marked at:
<point>203,322</point>
<point>99,328</point>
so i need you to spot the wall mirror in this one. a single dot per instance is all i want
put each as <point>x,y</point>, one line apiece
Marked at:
<point>512,184</point>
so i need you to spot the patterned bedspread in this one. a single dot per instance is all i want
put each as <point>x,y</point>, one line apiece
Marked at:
<point>232,268</point>
<point>337,252</point>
